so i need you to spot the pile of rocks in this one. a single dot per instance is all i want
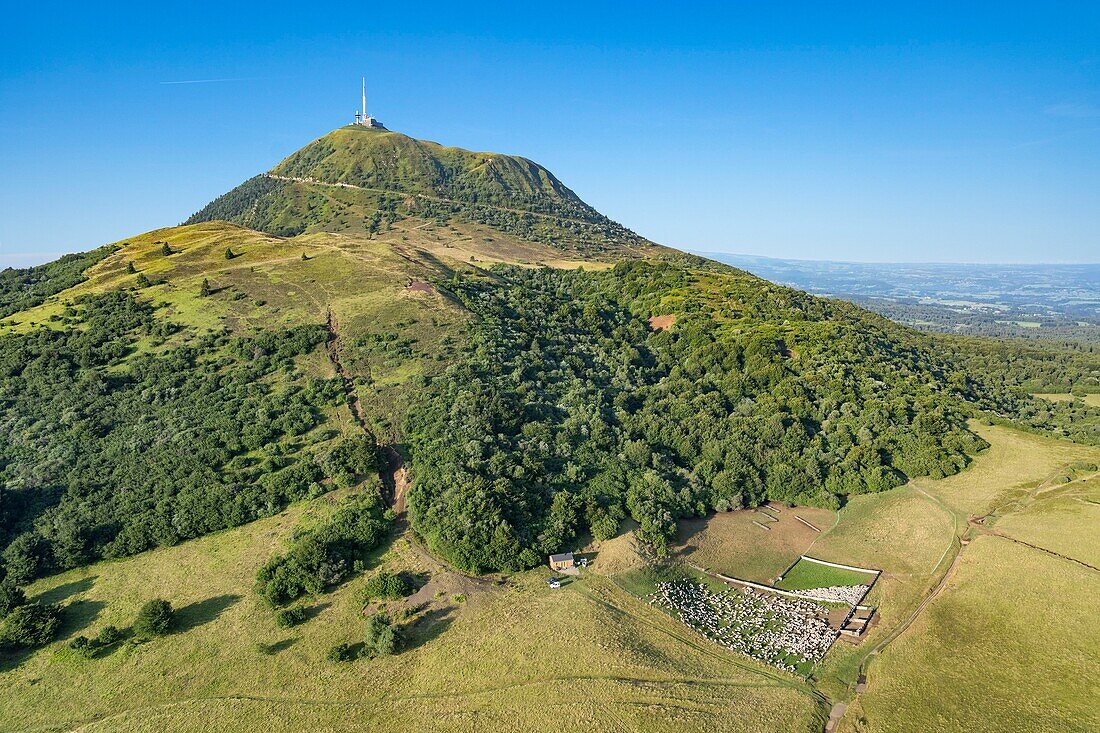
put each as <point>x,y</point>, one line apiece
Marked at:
<point>782,632</point>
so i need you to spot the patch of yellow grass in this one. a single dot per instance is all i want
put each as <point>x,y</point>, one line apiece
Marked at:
<point>1055,396</point>
<point>1016,462</point>
<point>1064,519</point>
<point>729,542</point>
<point>1011,644</point>
<point>512,657</point>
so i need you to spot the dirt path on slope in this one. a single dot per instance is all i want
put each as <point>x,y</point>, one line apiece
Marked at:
<point>393,474</point>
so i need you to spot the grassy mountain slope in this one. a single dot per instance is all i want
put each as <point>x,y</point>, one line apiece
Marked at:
<point>545,375</point>
<point>585,413</point>
<point>358,179</point>
<point>535,406</point>
<point>495,657</point>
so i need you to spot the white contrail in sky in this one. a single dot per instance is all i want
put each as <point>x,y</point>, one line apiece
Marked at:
<point>206,81</point>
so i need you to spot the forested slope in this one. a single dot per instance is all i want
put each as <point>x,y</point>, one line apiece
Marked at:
<point>571,413</point>
<point>198,377</point>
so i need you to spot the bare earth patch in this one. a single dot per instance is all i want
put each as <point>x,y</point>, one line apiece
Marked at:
<point>660,323</point>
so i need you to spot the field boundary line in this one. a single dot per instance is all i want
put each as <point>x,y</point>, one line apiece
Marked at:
<point>869,571</point>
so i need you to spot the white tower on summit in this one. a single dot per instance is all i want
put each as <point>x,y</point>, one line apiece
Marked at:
<point>361,116</point>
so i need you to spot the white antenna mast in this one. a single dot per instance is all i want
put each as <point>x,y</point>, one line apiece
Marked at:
<point>364,99</point>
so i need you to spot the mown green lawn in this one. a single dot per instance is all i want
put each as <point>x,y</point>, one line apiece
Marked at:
<point>805,575</point>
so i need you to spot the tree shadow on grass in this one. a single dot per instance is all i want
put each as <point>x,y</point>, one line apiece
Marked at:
<point>78,616</point>
<point>278,646</point>
<point>314,611</point>
<point>65,590</point>
<point>428,627</point>
<point>196,614</point>
<point>10,660</point>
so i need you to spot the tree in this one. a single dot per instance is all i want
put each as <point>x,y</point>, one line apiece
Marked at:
<point>383,638</point>
<point>26,558</point>
<point>165,249</point>
<point>385,584</point>
<point>30,625</point>
<point>130,269</point>
<point>108,636</point>
<point>11,597</point>
<point>205,290</point>
<point>229,253</point>
<point>153,619</point>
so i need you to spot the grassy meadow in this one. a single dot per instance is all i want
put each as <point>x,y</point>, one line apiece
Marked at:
<point>1000,614</point>
<point>1010,644</point>
<point>729,543</point>
<point>495,655</point>
<point>1007,643</point>
<point>805,575</point>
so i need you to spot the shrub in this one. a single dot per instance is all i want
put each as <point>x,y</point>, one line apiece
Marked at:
<point>287,617</point>
<point>11,596</point>
<point>385,584</point>
<point>154,619</point>
<point>108,636</point>
<point>83,646</point>
<point>340,653</point>
<point>383,637</point>
<point>30,625</point>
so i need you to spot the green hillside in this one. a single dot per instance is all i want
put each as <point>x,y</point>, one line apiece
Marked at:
<point>390,354</point>
<point>361,179</point>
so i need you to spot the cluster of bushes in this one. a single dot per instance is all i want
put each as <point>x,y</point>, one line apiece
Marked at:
<point>383,638</point>
<point>88,648</point>
<point>386,585</point>
<point>155,618</point>
<point>28,625</point>
<point>108,452</point>
<point>328,554</point>
<point>569,413</point>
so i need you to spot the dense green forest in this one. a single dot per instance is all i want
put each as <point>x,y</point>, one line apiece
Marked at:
<point>569,413</point>
<point>109,451</point>
<point>27,287</point>
<point>1015,370</point>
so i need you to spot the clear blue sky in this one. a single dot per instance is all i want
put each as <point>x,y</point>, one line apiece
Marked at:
<point>875,132</point>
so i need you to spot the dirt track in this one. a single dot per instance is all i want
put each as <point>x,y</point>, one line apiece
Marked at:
<point>393,473</point>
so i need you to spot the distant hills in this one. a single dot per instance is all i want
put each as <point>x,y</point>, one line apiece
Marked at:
<point>1055,302</point>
